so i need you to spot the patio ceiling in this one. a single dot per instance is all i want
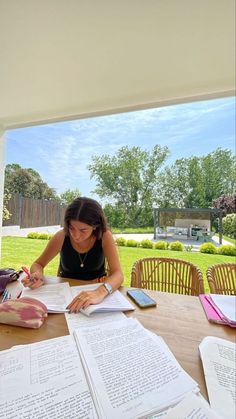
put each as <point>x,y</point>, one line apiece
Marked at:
<point>64,59</point>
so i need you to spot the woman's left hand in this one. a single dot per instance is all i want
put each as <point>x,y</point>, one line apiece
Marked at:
<point>85,298</point>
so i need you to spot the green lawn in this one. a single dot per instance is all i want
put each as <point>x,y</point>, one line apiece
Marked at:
<point>18,251</point>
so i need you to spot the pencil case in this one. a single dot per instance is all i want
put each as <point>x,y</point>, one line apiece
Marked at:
<point>23,312</point>
<point>7,275</point>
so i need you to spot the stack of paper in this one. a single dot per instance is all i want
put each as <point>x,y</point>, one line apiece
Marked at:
<point>131,371</point>
<point>220,308</point>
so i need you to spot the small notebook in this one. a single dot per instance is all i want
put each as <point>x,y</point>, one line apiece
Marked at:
<point>211,311</point>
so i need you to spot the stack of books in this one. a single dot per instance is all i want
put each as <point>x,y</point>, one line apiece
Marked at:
<point>220,308</point>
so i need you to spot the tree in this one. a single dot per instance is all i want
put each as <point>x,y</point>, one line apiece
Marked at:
<point>6,213</point>
<point>26,182</point>
<point>69,195</point>
<point>196,181</point>
<point>227,203</point>
<point>128,179</point>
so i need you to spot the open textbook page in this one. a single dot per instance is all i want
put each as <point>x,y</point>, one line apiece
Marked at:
<point>219,364</point>
<point>56,297</point>
<point>193,406</point>
<point>131,372</point>
<point>114,302</point>
<point>44,380</point>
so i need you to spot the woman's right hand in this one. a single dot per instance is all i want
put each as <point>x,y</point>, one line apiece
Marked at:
<point>34,281</point>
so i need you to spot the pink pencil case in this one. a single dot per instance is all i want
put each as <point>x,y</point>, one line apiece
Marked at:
<point>24,312</point>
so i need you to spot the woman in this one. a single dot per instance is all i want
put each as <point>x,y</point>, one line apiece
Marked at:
<point>84,244</point>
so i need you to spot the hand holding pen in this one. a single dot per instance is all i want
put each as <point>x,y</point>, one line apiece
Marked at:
<point>32,280</point>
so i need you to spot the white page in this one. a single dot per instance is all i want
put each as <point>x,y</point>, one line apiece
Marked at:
<point>131,371</point>
<point>219,364</point>
<point>75,320</point>
<point>226,304</point>
<point>114,302</point>
<point>56,297</point>
<point>192,407</point>
<point>44,380</point>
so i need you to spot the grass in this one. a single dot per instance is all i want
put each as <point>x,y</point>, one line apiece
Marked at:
<point>18,251</point>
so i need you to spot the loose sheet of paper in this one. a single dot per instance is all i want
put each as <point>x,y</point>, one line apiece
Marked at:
<point>132,372</point>
<point>56,297</point>
<point>219,364</point>
<point>44,379</point>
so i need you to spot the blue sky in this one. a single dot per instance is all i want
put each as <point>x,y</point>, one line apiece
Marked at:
<point>61,152</point>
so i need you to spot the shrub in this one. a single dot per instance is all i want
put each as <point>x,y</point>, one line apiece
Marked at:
<point>177,246</point>
<point>131,243</point>
<point>161,245</point>
<point>120,241</point>
<point>147,244</point>
<point>43,236</point>
<point>32,235</point>
<point>227,249</point>
<point>229,225</point>
<point>208,248</point>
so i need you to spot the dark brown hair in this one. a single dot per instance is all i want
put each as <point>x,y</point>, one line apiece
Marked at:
<point>88,211</point>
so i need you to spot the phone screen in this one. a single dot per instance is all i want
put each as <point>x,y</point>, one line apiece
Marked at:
<point>139,297</point>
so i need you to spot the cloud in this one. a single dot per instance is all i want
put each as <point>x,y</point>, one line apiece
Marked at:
<point>61,152</point>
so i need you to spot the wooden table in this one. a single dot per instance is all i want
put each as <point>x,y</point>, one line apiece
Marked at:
<point>179,319</point>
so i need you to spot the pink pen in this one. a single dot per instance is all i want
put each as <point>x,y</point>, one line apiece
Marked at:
<point>26,271</point>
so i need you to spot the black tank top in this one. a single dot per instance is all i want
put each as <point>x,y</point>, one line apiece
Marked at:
<point>94,262</point>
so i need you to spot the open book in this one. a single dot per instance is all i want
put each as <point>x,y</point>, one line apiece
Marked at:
<point>110,370</point>
<point>114,302</point>
<point>219,364</point>
<point>56,298</point>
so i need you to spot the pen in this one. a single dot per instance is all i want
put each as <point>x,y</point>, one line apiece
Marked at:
<point>26,271</point>
<point>3,295</point>
<point>6,295</point>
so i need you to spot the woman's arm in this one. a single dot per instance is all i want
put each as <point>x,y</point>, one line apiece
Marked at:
<point>52,249</point>
<point>115,275</point>
<point>115,278</point>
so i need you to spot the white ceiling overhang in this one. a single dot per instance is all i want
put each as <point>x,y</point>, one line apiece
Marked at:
<point>64,59</point>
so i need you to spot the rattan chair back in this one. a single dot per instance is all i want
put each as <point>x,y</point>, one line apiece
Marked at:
<point>222,278</point>
<point>169,275</point>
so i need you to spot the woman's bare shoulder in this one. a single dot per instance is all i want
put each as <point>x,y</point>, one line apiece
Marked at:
<point>58,237</point>
<point>107,237</point>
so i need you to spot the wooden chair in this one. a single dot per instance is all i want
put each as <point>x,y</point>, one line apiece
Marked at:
<point>165,274</point>
<point>222,278</point>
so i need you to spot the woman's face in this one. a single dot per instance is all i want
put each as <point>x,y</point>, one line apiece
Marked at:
<point>80,231</point>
